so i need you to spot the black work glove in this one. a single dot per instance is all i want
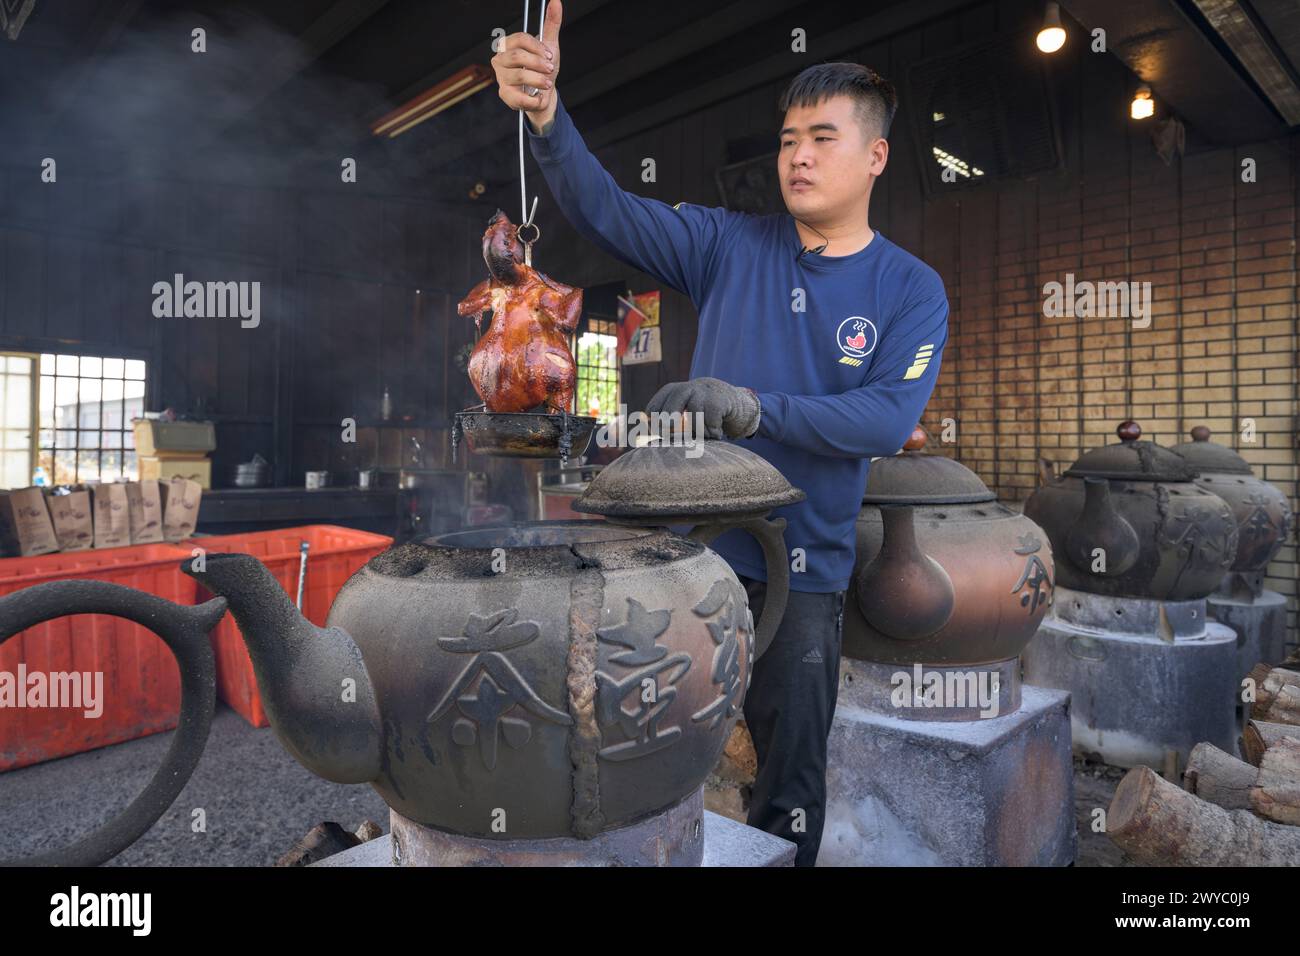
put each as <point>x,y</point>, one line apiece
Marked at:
<point>729,411</point>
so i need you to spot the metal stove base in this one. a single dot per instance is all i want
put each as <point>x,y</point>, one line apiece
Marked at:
<point>992,792</point>
<point>1260,626</point>
<point>1137,695</point>
<point>723,843</point>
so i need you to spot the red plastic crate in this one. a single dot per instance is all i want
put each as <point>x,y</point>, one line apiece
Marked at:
<point>142,692</point>
<point>335,555</point>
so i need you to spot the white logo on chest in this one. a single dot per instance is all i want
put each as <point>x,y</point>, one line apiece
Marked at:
<point>856,336</point>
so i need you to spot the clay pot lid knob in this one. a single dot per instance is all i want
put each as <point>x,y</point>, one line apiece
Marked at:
<point>1129,431</point>
<point>916,441</point>
<point>1200,433</point>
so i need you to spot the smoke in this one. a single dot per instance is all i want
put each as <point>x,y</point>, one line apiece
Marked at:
<point>253,108</point>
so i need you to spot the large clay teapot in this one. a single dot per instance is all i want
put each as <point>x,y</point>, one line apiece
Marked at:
<point>944,575</point>
<point>576,675</point>
<point>1128,520</point>
<point>1261,511</point>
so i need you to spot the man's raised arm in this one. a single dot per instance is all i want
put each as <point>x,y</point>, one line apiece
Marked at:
<point>677,245</point>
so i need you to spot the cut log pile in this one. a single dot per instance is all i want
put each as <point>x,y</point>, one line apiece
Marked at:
<point>1228,812</point>
<point>1277,694</point>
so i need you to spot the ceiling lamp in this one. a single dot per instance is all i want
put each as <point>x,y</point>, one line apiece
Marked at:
<point>1143,106</point>
<point>1052,36</point>
<point>460,85</point>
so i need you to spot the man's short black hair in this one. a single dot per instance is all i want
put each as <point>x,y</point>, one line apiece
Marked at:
<point>872,94</point>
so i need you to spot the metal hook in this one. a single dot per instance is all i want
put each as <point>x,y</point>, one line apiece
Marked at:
<point>528,243</point>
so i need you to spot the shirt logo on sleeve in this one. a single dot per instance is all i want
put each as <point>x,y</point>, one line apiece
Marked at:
<point>856,338</point>
<point>919,363</point>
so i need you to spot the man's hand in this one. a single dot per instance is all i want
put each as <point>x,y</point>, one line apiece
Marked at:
<point>523,62</point>
<point>729,411</point>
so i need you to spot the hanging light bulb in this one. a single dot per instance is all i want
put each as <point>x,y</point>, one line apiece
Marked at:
<point>1052,36</point>
<point>1143,106</point>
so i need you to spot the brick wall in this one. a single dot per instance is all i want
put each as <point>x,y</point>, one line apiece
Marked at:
<point>1221,348</point>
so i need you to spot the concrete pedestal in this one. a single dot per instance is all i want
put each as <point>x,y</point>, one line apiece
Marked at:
<point>1145,677</point>
<point>722,841</point>
<point>1260,626</point>
<point>673,837</point>
<point>983,792</point>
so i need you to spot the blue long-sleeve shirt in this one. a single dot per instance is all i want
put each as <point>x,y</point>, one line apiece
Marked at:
<point>841,381</point>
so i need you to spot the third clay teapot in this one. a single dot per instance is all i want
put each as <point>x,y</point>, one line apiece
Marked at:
<point>1261,511</point>
<point>1128,520</point>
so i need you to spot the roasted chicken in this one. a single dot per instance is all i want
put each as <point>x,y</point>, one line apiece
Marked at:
<point>523,360</point>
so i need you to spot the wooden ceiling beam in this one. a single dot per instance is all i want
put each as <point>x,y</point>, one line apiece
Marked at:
<point>698,35</point>
<point>1156,40</point>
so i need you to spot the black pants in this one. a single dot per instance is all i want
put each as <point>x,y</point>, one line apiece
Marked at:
<point>788,709</point>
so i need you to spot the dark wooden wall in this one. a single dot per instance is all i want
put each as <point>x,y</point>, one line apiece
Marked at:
<point>341,316</point>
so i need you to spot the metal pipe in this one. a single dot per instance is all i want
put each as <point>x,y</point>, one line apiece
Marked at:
<point>302,569</point>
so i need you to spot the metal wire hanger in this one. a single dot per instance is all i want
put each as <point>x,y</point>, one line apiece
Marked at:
<point>527,214</point>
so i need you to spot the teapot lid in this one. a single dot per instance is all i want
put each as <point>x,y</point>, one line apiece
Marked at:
<point>706,477</point>
<point>916,477</point>
<point>1205,455</point>
<point>1132,460</point>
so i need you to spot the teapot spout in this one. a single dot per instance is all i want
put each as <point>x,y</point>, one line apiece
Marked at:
<point>314,685</point>
<point>904,593</point>
<point>1101,533</point>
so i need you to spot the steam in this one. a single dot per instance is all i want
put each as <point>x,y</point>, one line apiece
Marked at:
<point>151,107</point>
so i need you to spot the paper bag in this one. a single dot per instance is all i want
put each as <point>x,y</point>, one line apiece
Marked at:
<point>26,523</point>
<point>112,515</point>
<point>180,508</point>
<point>70,515</point>
<point>145,506</point>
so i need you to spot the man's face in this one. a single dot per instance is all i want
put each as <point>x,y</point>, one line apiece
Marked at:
<point>828,160</point>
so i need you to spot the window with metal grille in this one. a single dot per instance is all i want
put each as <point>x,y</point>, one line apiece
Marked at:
<point>596,351</point>
<point>17,402</point>
<point>86,406</point>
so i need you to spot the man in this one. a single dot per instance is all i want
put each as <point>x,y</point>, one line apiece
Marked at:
<point>819,344</point>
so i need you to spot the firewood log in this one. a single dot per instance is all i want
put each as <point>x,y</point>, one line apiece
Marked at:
<point>1158,823</point>
<point>1259,735</point>
<point>1277,694</point>
<point>1276,793</point>
<point>1271,790</point>
<point>1219,777</point>
<point>326,839</point>
<point>1285,708</point>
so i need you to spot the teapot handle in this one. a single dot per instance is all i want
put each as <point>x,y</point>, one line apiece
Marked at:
<point>770,534</point>
<point>185,631</point>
